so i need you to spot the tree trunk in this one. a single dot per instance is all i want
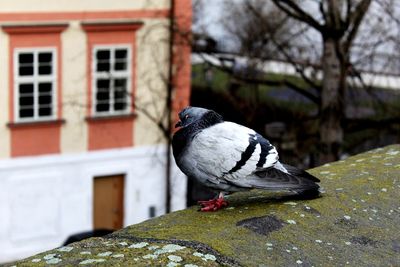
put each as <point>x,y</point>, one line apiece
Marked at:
<point>331,108</point>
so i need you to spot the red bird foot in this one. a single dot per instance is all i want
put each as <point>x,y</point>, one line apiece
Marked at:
<point>213,204</point>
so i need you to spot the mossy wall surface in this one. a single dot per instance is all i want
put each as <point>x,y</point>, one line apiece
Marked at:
<point>355,222</point>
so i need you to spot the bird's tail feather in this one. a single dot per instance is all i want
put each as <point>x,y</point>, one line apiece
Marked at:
<point>307,194</point>
<point>295,180</point>
<point>301,173</point>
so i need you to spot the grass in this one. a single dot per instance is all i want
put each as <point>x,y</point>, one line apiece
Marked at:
<point>223,83</point>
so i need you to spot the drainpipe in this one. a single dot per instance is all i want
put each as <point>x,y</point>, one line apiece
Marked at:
<point>169,107</point>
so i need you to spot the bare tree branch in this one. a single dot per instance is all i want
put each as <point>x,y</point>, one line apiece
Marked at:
<point>282,47</point>
<point>334,14</point>
<point>293,10</point>
<point>355,19</point>
<point>252,80</point>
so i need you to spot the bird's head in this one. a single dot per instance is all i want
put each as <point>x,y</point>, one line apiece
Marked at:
<point>189,115</point>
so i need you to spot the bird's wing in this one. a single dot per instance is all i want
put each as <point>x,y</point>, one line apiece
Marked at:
<point>228,151</point>
<point>279,179</point>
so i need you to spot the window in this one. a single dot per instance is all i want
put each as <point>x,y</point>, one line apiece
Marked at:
<point>35,78</point>
<point>111,79</point>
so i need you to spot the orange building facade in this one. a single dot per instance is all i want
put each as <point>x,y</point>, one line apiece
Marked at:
<point>82,88</point>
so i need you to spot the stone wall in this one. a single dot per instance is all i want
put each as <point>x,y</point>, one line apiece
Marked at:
<point>355,222</point>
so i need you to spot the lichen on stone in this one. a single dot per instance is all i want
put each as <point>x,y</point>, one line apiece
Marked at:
<point>291,203</point>
<point>90,261</point>
<point>209,257</point>
<point>65,249</point>
<point>53,261</point>
<point>150,256</point>
<point>104,254</point>
<point>49,256</point>
<point>139,245</point>
<point>170,248</point>
<point>198,254</point>
<point>205,257</point>
<point>175,258</point>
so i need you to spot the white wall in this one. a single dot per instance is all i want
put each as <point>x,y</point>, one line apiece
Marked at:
<point>45,199</point>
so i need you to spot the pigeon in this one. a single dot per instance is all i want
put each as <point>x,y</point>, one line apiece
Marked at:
<point>228,157</point>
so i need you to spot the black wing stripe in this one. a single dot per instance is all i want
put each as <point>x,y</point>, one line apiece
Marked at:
<point>246,154</point>
<point>265,148</point>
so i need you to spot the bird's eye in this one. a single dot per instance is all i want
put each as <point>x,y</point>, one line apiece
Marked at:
<point>186,116</point>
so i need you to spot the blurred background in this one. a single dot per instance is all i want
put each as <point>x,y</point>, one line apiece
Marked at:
<point>90,90</point>
<point>319,78</point>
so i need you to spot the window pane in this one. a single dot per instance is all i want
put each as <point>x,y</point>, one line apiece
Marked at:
<point>45,69</point>
<point>103,60</point>
<point>103,96</point>
<point>103,90</point>
<point>26,113</point>
<point>121,59</point>
<point>25,58</point>
<point>45,111</point>
<point>45,57</point>
<point>45,63</point>
<point>120,65</point>
<point>25,64</point>
<point>120,105</point>
<point>102,107</point>
<point>103,66</point>
<point>45,100</point>
<point>103,84</point>
<point>45,88</point>
<point>25,70</point>
<point>103,55</point>
<point>120,94</point>
<point>26,89</point>
<point>120,84</point>
<point>121,53</point>
<point>26,101</point>
<point>120,89</point>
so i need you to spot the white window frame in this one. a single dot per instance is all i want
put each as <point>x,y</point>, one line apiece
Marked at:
<point>35,80</point>
<point>111,75</point>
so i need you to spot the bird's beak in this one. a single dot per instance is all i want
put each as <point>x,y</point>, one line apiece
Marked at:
<point>178,124</point>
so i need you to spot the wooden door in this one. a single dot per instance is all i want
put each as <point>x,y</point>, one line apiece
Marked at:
<point>108,202</point>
